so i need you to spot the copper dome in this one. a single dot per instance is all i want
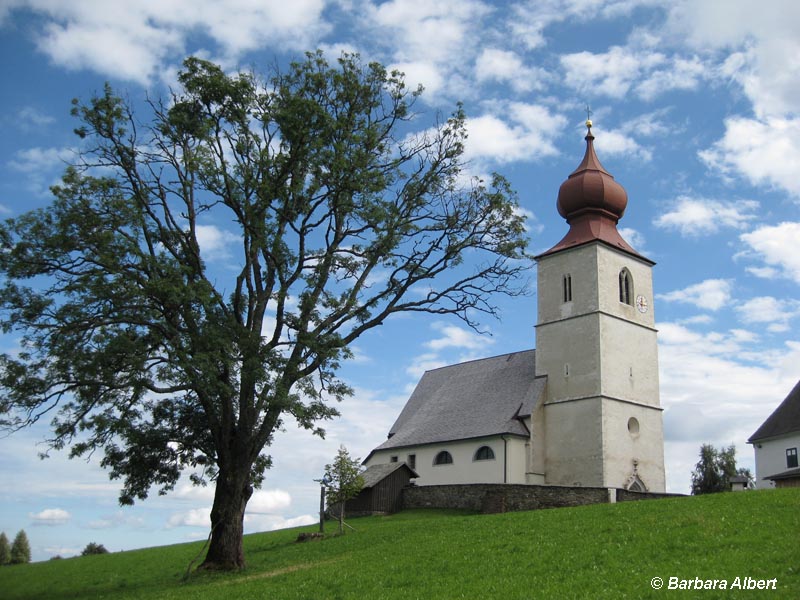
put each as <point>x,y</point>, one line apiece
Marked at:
<point>590,188</point>
<point>592,203</point>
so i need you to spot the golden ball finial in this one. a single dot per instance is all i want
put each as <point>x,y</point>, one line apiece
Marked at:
<point>589,123</point>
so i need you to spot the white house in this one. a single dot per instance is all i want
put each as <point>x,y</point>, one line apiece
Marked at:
<point>776,444</point>
<point>583,408</point>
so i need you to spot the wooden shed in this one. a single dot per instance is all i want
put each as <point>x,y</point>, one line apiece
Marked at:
<point>382,491</point>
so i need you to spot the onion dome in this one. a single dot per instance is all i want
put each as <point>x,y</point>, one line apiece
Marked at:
<point>591,188</point>
<point>592,202</point>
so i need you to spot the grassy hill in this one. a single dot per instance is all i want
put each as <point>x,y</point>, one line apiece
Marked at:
<point>601,551</point>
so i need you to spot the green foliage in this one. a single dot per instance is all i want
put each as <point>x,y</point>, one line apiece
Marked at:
<point>93,548</point>
<point>343,481</point>
<point>713,471</point>
<point>20,549</point>
<point>603,551</point>
<point>342,214</point>
<point>5,550</point>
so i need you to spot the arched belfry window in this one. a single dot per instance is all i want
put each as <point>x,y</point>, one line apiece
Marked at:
<point>567,288</point>
<point>625,287</point>
<point>443,458</point>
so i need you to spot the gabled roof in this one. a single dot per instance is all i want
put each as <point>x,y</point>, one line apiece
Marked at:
<point>784,419</point>
<point>377,473</point>
<point>473,399</point>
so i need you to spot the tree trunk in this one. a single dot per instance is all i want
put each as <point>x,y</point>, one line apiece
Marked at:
<point>341,516</point>
<point>226,551</point>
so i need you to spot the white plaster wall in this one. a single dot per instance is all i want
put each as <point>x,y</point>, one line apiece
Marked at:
<point>463,469</point>
<point>771,457</point>
<point>621,447</point>
<point>629,361</point>
<point>573,440</point>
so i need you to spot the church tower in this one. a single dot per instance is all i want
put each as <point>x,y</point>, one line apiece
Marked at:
<point>596,344</point>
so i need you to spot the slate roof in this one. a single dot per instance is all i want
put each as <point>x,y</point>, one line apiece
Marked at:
<point>473,399</point>
<point>784,419</point>
<point>377,473</point>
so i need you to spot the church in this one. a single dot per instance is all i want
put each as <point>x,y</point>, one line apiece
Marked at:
<point>582,409</point>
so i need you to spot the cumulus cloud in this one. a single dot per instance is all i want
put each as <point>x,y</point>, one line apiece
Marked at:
<point>776,246</point>
<point>695,216</point>
<point>505,66</point>
<point>215,242</point>
<point>774,312</point>
<point>764,152</point>
<point>132,40</point>
<point>717,387</point>
<point>50,517</point>
<point>762,47</point>
<point>513,131</point>
<point>195,517</point>
<point>269,502</point>
<point>457,337</point>
<point>38,160</point>
<point>711,294</point>
<point>622,70</point>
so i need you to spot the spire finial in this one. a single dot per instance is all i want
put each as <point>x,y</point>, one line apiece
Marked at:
<point>589,114</point>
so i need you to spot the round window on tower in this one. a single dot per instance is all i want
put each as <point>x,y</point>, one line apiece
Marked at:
<point>633,426</point>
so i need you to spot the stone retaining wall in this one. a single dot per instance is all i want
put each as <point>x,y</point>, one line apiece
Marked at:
<point>501,497</point>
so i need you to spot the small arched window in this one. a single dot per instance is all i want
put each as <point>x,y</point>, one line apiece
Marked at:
<point>625,287</point>
<point>484,453</point>
<point>443,458</point>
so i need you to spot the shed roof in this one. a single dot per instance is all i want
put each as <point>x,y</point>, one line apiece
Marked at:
<point>473,399</point>
<point>376,473</point>
<point>790,474</point>
<point>784,419</point>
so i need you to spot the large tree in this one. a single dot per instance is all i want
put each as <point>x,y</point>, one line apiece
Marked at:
<point>343,218</point>
<point>714,470</point>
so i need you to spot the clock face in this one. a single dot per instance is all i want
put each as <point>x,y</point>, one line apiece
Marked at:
<point>641,303</point>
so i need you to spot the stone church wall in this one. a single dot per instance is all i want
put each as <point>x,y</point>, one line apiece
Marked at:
<point>493,498</point>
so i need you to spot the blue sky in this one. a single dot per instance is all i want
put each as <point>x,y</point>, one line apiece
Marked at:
<point>695,114</point>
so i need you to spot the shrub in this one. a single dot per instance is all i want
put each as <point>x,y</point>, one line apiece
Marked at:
<point>92,548</point>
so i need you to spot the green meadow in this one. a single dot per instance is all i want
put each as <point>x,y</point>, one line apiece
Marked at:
<point>601,551</point>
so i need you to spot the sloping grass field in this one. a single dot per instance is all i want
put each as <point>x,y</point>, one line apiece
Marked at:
<point>601,551</point>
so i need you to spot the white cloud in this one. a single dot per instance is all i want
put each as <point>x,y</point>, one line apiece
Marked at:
<point>421,72</point>
<point>38,160</point>
<point>435,30</point>
<point>695,216</point>
<point>773,311</point>
<point>524,132</point>
<point>50,517</point>
<point>775,245</point>
<point>268,502</point>
<point>618,143</point>
<point>132,40</point>
<point>30,118</point>
<point>253,523</point>
<point>763,40</point>
<point>215,242</point>
<point>196,517</point>
<point>716,388</point>
<point>711,294</point>
<point>504,66</point>
<point>457,337</point>
<point>765,152</point>
<point>425,362</point>
<point>633,237</point>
